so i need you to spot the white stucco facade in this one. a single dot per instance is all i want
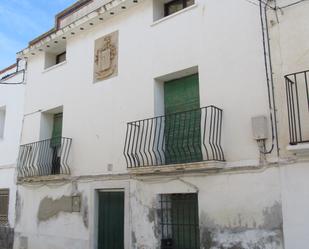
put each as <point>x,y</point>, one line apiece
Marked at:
<point>245,202</point>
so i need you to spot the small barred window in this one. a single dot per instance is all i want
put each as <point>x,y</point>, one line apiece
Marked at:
<point>179,221</point>
<point>4,206</point>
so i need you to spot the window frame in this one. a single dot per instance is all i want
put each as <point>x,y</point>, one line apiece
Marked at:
<point>2,121</point>
<point>58,57</point>
<point>4,215</point>
<point>179,212</point>
<point>167,6</point>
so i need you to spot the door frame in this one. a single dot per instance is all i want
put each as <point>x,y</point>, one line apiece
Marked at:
<point>116,186</point>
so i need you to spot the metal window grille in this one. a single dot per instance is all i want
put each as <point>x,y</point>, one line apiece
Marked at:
<point>4,206</point>
<point>297,93</point>
<point>179,221</point>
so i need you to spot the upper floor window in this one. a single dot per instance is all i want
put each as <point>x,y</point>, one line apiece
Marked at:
<point>54,56</point>
<point>163,8</point>
<point>173,6</point>
<point>2,120</point>
<point>61,57</point>
<point>4,206</point>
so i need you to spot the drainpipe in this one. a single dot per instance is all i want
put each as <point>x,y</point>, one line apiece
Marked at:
<point>269,80</point>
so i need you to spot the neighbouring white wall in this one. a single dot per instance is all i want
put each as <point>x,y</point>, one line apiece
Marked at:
<point>7,181</point>
<point>295,205</point>
<point>230,69</point>
<point>290,54</point>
<point>12,98</point>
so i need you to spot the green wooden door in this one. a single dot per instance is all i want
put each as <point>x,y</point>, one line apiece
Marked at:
<point>55,143</point>
<point>111,220</point>
<point>57,130</point>
<point>183,130</point>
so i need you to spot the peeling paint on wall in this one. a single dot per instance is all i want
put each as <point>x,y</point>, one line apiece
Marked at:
<point>269,235</point>
<point>273,217</point>
<point>134,241</point>
<point>23,242</point>
<point>18,207</point>
<point>50,208</point>
<point>85,212</point>
<point>151,215</point>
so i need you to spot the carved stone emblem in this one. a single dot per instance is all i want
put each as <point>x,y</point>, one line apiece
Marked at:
<point>106,57</point>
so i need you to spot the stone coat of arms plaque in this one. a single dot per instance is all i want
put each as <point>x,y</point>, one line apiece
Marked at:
<point>106,57</point>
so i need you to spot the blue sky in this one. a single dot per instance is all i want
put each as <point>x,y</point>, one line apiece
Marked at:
<point>22,21</point>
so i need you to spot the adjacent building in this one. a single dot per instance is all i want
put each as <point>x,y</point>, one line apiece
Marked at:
<point>166,124</point>
<point>11,115</point>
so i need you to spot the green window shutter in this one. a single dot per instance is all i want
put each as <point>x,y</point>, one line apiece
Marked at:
<point>111,220</point>
<point>57,130</point>
<point>182,130</point>
<point>182,94</point>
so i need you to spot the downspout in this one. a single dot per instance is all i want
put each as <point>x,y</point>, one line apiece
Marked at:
<point>269,80</point>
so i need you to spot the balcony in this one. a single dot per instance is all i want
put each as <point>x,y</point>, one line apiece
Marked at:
<point>185,137</point>
<point>44,158</point>
<point>297,93</point>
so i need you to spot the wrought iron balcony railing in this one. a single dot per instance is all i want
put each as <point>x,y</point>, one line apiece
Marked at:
<point>184,137</point>
<point>297,93</point>
<point>44,158</point>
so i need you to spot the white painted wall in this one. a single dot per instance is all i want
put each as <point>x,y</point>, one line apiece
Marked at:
<point>12,98</point>
<point>289,41</point>
<point>295,204</point>
<point>228,212</point>
<point>96,114</point>
<point>221,38</point>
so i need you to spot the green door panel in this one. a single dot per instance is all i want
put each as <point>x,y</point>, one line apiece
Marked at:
<point>182,94</point>
<point>182,130</point>
<point>55,143</point>
<point>111,220</point>
<point>57,130</point>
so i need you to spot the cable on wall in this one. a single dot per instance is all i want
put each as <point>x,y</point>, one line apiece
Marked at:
<point>269,79</point>
<point>4,80</point>
<point>257,3</point>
